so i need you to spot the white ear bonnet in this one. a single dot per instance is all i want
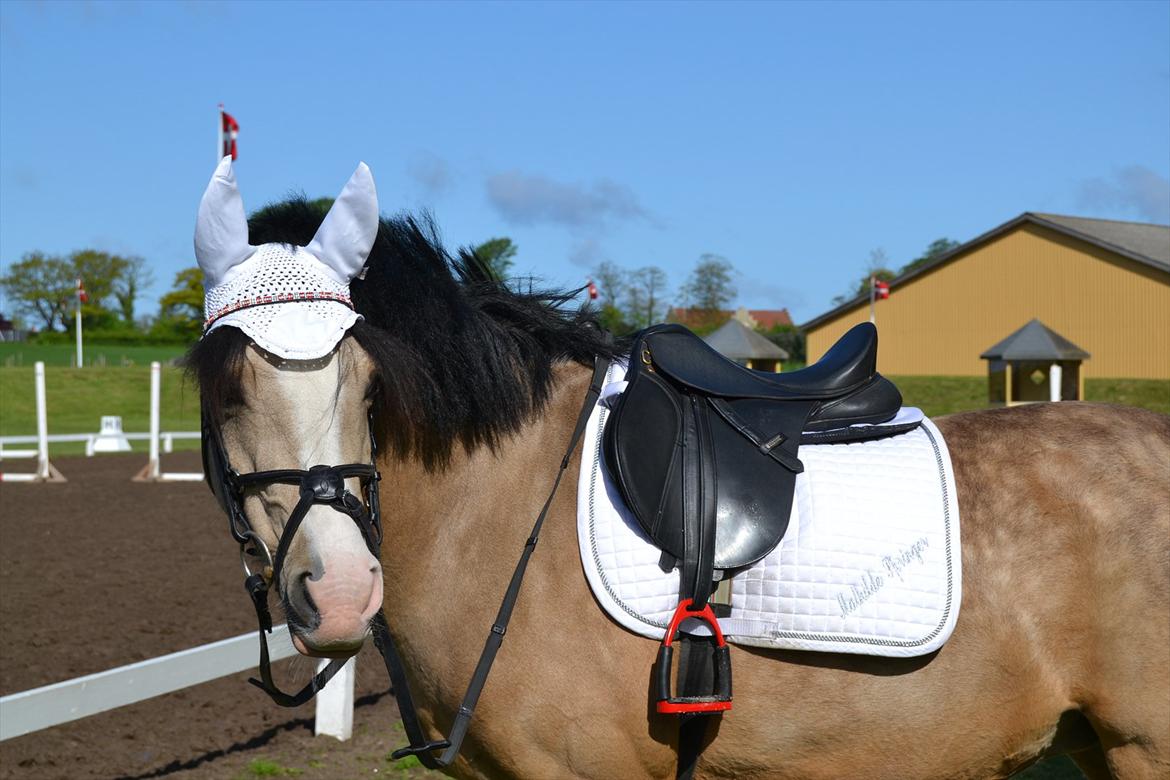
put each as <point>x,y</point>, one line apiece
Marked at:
<point>292,301</point>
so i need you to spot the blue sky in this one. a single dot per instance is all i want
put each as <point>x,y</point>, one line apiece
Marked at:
<point>792,139</point>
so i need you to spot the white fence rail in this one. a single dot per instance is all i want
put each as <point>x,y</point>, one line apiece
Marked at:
<point>62,702</point>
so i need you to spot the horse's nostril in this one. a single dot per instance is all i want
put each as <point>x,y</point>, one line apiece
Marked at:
<point>300,605</point>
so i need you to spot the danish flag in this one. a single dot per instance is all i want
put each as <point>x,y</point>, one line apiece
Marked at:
<point>81,296</point>
<point>231,130</point>
<point>881,290</point>
<point>592,290</point>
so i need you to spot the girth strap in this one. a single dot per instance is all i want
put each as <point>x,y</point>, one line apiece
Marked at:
<point>419,746</point>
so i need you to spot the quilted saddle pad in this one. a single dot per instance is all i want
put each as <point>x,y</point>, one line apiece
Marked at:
<point>870,563</point>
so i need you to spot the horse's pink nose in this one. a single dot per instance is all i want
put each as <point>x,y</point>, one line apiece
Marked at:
<point>342,597</point>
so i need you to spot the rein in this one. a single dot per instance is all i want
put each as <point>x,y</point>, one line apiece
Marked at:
<point>419,746</point>
<point>326,485</point>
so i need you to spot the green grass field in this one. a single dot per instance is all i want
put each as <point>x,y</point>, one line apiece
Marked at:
<point>76,399</point>
<point>99,355</point>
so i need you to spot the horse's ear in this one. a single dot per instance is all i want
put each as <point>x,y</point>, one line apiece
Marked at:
<point>221,229</point>
<point>344,240</point>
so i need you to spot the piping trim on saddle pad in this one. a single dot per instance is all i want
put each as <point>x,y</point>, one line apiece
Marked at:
<point>870,563</point>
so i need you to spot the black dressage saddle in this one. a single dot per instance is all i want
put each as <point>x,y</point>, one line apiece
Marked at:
<point>705,451</point>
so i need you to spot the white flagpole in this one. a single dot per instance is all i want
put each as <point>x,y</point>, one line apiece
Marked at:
<point>219,136</point>
<point>872,287</point>
<point>77,293</point>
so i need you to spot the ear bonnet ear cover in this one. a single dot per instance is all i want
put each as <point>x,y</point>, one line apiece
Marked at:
<point>292,301</point>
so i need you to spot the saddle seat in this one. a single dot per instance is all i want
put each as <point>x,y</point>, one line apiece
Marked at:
<point>688,359</point>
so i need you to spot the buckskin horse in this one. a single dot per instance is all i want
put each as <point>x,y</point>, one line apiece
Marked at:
<point>470,389</point>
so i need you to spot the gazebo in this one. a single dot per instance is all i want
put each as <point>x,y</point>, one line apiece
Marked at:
<point>1034,364</point>
<point>735,340</point>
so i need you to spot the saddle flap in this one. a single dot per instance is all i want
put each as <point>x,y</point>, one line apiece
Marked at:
<point>753,456</point>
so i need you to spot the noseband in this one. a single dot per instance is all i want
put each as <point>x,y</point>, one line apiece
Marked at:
<point>318,485</point>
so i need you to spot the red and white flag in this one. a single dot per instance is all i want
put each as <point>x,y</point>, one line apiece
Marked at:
<point>231,130</point>
<point>592,290</point>
<point>881,290</point>
<point>81,296</point>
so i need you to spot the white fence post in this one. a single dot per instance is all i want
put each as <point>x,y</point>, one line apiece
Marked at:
<point>152,471</point>
<point>42,423</point>
<point>335,703</point>
<point>45,471</point>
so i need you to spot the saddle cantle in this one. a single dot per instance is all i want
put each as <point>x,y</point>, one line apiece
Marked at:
<point>704,451</point>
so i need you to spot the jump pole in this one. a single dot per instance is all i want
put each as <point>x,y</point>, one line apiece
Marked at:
<point>152,471</point>
<point>46,471</point>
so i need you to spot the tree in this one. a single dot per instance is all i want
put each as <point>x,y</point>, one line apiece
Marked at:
<point>645,292</point>
<point>41,287</point>
<point>937,248</point>
<point>181,310</point>
<point>710,287</point>
<point>610,279</point>
<point>127,287</point>
<point>877,268</point>
<point>789,338</point>
<point>497,254</point>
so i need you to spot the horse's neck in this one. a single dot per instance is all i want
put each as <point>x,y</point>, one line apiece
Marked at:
<point>453,535</point>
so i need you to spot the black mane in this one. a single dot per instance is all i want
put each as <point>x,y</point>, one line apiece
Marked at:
<point>458,355</point>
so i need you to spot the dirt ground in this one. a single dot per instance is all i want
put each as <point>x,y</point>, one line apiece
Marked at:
<point>99,572</point>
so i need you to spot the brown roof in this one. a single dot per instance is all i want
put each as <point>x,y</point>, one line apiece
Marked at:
<point>766,318</point>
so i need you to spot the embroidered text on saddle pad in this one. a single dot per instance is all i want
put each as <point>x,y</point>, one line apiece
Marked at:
<point>869,564</point>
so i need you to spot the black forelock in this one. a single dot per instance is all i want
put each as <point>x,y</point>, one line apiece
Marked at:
<point>458,355</point>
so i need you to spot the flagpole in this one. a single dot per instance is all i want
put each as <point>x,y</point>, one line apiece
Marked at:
<point>80,362</point>
<point>219,136</point>
<point>872,286</point>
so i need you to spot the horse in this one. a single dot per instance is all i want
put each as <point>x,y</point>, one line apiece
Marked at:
<point>472,386</point>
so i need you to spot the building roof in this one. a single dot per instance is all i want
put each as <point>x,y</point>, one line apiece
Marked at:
<point>737,341</point>
<point>1146,243</point>
<point>1035,341</point>
<point>764,318</point>
<point>1138,239</point>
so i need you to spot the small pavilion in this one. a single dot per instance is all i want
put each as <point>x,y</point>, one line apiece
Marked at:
<point>735,340</point>
<point>1034,364</point>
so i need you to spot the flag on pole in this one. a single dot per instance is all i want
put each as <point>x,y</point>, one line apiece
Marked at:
<point>231,129</point>
<point>81,296</point>
<point>881,289</point>
<point>592,290</point>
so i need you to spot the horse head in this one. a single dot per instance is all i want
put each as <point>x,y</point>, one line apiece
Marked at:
<point>288,446</point>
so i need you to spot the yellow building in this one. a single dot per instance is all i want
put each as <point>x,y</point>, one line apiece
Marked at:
<point>1104,285</point>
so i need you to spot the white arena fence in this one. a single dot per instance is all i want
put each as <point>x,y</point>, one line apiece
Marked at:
<point>62,702</point>
<point>45,471</point>
<point>51,705</point>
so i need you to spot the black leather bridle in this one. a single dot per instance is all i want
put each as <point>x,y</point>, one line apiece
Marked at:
<point>326,485</point>
<point>318,485</point>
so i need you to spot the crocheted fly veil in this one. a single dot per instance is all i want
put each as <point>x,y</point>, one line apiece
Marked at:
<point>292,301</point>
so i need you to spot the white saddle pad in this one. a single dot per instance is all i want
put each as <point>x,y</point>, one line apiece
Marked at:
<point>869,564</point>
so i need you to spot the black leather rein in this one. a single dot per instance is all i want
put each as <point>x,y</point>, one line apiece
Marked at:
<point>326,485</point>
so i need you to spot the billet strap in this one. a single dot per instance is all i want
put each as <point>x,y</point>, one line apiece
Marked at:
<point>418,745</point>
